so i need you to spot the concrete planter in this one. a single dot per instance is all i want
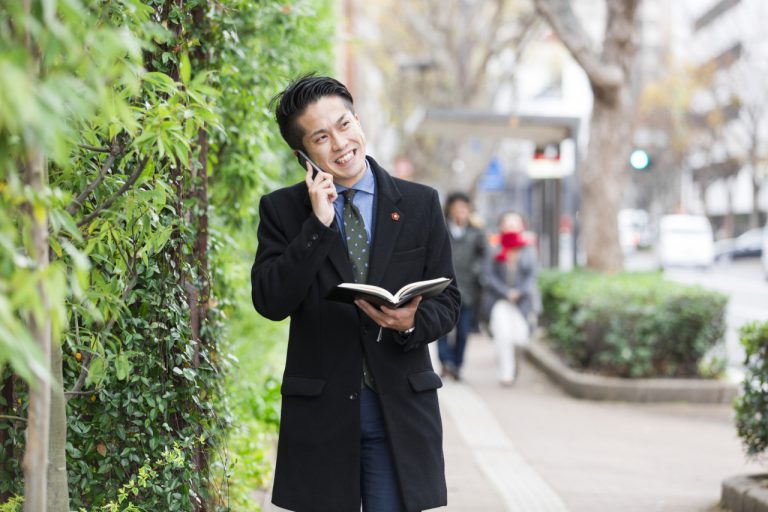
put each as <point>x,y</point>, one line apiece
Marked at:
<point>596,387</point>
<point>745,493</point>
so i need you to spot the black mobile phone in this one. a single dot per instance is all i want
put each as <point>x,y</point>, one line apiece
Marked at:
<point>303,159</point>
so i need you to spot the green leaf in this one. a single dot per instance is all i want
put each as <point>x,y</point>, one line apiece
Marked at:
<point>185,68</point>
<point>122,366</point>
<point>97,371</point>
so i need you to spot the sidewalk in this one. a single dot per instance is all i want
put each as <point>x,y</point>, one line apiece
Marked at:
<point>531,448</point>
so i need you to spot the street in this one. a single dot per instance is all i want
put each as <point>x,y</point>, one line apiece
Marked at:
<point>741,280</point>
<point>533,448</point>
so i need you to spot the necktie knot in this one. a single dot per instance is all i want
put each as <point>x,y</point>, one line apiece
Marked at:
<point>349,195</point>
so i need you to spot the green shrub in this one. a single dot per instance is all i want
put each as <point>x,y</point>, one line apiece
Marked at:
<point>141,373</point>
<point>632,325</point>
<point>752,405</point>
<point>13,505</point>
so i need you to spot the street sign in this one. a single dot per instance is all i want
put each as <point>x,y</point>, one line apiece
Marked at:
<point>493,178</point>
<point>553,160</point>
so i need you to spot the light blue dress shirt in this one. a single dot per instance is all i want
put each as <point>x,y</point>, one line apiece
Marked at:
<point>364,200</point>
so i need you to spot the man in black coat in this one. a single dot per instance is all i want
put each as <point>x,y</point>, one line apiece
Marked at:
<point>360,417</point>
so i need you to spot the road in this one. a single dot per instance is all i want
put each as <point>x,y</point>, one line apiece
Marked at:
<point>741,280</point>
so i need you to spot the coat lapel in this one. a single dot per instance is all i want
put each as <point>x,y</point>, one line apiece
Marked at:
<point>340,259</point>
<point>388,222</point>
<point>338,253</point>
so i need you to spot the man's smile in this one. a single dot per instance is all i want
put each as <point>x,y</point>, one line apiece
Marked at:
<point>346,157</point>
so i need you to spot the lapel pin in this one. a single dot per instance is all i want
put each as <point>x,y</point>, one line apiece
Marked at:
<point>395,216</point>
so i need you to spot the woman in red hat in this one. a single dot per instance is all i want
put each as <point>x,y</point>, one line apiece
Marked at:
<point>511,301</point>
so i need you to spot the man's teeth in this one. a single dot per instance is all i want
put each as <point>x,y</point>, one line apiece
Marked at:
<point>346,158</point>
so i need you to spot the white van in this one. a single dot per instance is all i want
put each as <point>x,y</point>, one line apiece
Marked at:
<point>685,241</point>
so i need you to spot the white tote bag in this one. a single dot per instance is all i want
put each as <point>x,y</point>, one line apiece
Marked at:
<point>508,324</point>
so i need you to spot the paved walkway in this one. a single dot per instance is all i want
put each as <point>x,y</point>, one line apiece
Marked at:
<point>531,448</point>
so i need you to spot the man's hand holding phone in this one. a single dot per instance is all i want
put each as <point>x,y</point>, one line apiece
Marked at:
<point>322,192</point>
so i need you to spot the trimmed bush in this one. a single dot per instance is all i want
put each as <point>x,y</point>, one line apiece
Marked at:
<point>752,405</point>
<point>632,325</point>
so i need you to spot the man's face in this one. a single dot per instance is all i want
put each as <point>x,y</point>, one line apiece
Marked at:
<point>459,212</point>
<point>334,139</point>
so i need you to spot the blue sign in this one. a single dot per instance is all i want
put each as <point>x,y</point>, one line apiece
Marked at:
<point>493,178</point>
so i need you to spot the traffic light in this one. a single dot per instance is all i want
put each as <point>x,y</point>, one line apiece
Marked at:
<point>640,160</point>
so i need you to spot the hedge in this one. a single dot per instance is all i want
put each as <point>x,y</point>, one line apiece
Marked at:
<point>633,324</point>
<point>151,122</point>
<point>752,405</point>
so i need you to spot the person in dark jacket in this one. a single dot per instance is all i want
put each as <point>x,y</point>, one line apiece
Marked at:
<point>360,421</point>
<point>511,296</point>
<point>468,248</point>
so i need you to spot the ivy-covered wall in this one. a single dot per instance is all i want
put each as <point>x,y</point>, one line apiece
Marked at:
<point>150,121</point>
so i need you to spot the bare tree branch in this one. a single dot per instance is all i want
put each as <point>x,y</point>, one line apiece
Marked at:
<point>113,153</point>
<point>518,42</point>
<point>13,418</point>
<point>70,394</point>
<point>487,51</point>
<point>95,148</point>
<point>559,14</point>
<point>106,204</point>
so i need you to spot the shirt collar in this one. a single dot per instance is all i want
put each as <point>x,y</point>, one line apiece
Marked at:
<point>366,184</point>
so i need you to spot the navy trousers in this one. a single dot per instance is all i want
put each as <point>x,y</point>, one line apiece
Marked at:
<point>452,356</point>
<point>378,481</point>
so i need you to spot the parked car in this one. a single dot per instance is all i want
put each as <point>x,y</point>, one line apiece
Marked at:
<point>764,257</point>
<point>747,245</point>
<point>724,248</point>
<point>685,241</point>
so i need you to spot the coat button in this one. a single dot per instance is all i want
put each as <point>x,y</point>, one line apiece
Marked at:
<point>309,244</point>
<point>353,396</point>
<point>315,236</point>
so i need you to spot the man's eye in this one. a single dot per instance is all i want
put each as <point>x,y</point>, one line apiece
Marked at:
<point>345,124</point>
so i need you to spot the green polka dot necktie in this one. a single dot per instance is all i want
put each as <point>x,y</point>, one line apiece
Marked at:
<point>357,237</point>
<point>357,246</point>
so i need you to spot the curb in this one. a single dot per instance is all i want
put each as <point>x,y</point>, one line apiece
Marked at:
<point>596,387</point>
<point>745,493</point>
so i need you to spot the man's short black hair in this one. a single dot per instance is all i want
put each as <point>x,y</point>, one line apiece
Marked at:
<point>294,100</point>
<point>453,197</point>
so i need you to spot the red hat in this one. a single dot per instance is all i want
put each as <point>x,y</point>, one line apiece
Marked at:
<point>510,240</point>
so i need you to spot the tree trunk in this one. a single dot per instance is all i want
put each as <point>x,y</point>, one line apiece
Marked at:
<point>6,464</point>
<point>58,490</point>
<point>602,178</point>
<point>203,295</point>
<point>729,220</point>
<point>35,464</point>
<point>754,216</point>
<point>602,175</point>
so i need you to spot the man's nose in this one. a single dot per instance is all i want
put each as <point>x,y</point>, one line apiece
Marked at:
<point>338,141</point>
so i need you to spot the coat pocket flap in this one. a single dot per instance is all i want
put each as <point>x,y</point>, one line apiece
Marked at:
<point>301,386</point>
<point>425,380</point>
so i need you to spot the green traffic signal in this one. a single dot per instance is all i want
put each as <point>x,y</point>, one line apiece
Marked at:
<point>639,160</point>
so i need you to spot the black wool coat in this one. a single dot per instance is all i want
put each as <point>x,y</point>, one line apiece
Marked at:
<point>298,261</point>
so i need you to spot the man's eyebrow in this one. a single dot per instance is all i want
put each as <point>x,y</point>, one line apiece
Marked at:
<point>317,132</point>
<point>323,130</point>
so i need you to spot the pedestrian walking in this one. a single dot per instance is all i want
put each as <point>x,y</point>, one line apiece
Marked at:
<point>469,251</point>
<point>360,422</point>
<point>511,297</point>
